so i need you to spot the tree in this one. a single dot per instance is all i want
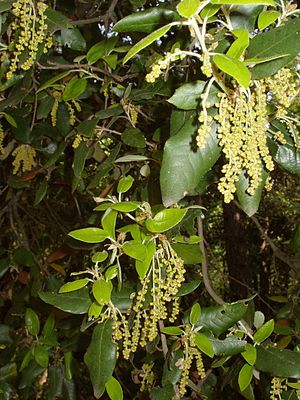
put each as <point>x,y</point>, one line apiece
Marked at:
<point>142,256</point>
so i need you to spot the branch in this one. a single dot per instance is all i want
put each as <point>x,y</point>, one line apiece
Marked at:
<point>205,275</point>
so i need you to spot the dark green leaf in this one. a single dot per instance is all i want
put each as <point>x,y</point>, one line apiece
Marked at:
<point>68,365</point>
<point>145,21</point>
<point>286,155</point>
<point>87,128</point>
<point>277,41</point>
<point>228,347</point>
<point>74,302</point>
<point>5,6</point>
<point>55,20</point>
<point>187,288</point>
<point>245,16</point>
<point>165,220</point>
<point>165,393</point>
<point>41,192</point>
<point>89,235</point>
<point>75,285</point>
<point>122,298</point>
<point>281,363</point>
<point>114,389</point>
<point>179,155</point>
<point>134,137</point>
<point>73,39</point>
<point>249,203</point>
<point>41,356</point>
<point>80,155</point>
<point>100,357</point>
<point>220,318</point>
<point>32,322</point>
<point>101,49</point>
<point>74,88</point>
<point>190,253</point>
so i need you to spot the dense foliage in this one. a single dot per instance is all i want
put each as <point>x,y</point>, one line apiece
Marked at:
<point>150,243</point>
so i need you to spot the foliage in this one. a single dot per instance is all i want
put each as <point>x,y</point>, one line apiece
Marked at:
<point>124,128</point>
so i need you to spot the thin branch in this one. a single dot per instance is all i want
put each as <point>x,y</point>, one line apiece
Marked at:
<point>163,339</point>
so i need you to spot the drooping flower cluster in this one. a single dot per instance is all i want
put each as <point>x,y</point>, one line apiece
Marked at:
<point>24,158</point>
<point>158,289</point>
<point>277,387</point>
<point>159,67</point>
<point>30,35</point>
<point>72,106</point>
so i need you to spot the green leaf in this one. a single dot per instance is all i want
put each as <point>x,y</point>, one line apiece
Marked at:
<point>275,42</point>
<point>165,220</point>
<point>89,235</point>
<point>114,389</point>
<point>143,266</point>
<point>108,222</point>
<point>100,357</point>
<point>172,330</point>
<point>179,156</point>
<point>95,310</point>
<point>190,253</point>
<point>134,137</point>
<point>195,313</point>
<point>145,21</point>
<point>32,322</point>
<point>228,347</point>
<point>101,49</point>
<point>219,319</point>
<point>245,376</point>
<point>146,42</point>
<point>102,291</point>
<point>259,319</point>
<point>5,6</point>
<point>188,8</point>
<point>55,20</point>
<point>266,2</point>
<point>26,360</point>
<point>264,332</point>
<point>132,158</point>
<point>294,244</point>
<point>135,249</point>
<point>75,285</point>
<point>126,206</point>
<point>245,16</point>
<point>250,204</point>
<point>125,184</point>
<point>249,354</point>
<point>87,128</point>
<point>53,80</point>
<point>234,68</point>
<point>41,192</point>
<point>204,344</point>
<point>68,365</point>
<point>41,356</point>
<point>100,256</point>
<point>77,302</point>
<point>111,272</point>
<point>209,11</point>
<point>238,47</point>
<point>80,156</point>
<point>10,120</point>
<point>281,363</point>
<point>187,288</point>
<point>122,299</point>
<point>267,18</point>
<point>74,88</point>
<point>73,39</point>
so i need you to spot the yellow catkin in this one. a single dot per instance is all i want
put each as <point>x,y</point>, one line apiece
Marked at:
<point>277,386</point>
<point>159,67</point>
<point>24,158</point>
<point>1,139</point>
<point>29,32</point>
<point>77,141</point>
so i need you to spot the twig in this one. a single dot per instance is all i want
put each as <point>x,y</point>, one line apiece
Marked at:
<point>205,275</point>
<point>163,339</point>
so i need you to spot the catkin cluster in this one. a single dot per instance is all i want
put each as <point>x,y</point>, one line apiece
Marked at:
<point>277,387</point>
<point>159,67</point>
<point>190,353</point>
<point>30,36</point>
<point>158,289</point>
<point>24,158</point>
<point>72,106</point>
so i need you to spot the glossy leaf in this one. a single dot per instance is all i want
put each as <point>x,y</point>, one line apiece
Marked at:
<point>238,47</point>
<point>89,235</point>
<point>245,376</point>
<point>245,16</point>
<point>172,330</point>
<point>77,302</point>
<point>114,389</point>
<point>135,249</point>
<point>41,356</point>
<point>266,2</point>
<point>55,20</point>
<point>165,220</point>
<point>234,68</point>
<point>195,313</point>
<point>187,288</point>
<point>73,39</point>
<point>250,203</point>
<point>277,41</point>
<point>180,156</point>
<point>249,354</point>
<point>204,344</point>
<point>95,310</point>
<point>143,266</point>
<point>100,256</point>
<point>228,347</point>
<point>281,363</point>
<point>68,365</point>
<point>146,42</point>
<point>126,206</point>
<point>125,184</point>
<point>111,272</point>
<point>74,88</point>
<point>209,10</point>
<point>218,319</point>
<point>264,331</point>
<point>108,222</point>
<point>145,21</point>
<point>75,285</point>
<point>101,49</point>
<point>100,357</point>
<point>190,253</point>
<point>188,8</point>
<point>102,291</point>
<point>32,322</point>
